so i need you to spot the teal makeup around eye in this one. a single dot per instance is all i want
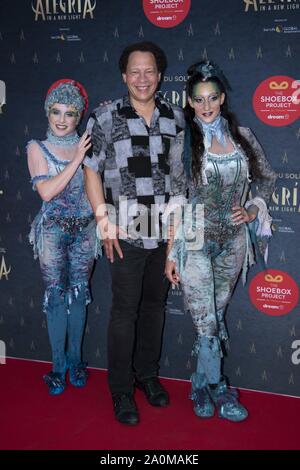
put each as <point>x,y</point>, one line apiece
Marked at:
<point>68,114</point>
<point>198,100</point>
<point>71,114</point>
<point>201,100</point>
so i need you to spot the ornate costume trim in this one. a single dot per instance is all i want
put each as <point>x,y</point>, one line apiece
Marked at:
<point>65,141</point>
<point>260,228</point>
<point>67,296</point>
<point>71,224</point>
<point>216,129</point>
<point>249,256</point>
<point>38,178</point>
<point>52,157</point>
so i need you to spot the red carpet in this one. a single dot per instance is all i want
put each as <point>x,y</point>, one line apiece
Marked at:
<point>83,418</point>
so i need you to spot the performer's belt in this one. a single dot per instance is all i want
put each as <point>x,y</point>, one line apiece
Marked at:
<point>71,224</point>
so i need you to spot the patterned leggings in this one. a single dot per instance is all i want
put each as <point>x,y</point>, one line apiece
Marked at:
<point>208,280</point>
<point>66,263</point>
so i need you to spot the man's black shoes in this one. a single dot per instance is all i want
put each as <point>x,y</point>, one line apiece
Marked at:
<point>125,408</point>
<point>124,405</point>
<point>154,391</point>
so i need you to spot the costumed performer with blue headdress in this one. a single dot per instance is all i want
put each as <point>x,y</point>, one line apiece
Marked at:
<point>214,245</point>
<point>63,233</point>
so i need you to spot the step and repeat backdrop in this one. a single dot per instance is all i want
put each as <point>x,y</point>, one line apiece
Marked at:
<point>256,43</point>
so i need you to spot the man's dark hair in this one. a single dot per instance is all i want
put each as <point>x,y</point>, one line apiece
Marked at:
<point>145,46</point>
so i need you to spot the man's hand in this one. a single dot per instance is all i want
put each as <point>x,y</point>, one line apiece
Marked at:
<point>110,234</point>
<point>109,246</point>
<point>171,272</point>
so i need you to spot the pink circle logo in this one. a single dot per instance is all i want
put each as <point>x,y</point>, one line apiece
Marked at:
<point>276,101</point>
<point>166,13</point>
<point>274,292</point>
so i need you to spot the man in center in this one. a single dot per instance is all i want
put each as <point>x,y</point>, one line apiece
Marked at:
<point>137,150</point>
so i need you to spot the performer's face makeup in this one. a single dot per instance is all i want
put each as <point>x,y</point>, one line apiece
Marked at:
<point>141,77</point>
<point>63,119</point>
<point>206,101</point>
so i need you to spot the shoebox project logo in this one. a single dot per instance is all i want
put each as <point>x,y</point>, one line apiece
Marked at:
<point>274,292</point>
<point>166,13</point>
<point>276,100</point>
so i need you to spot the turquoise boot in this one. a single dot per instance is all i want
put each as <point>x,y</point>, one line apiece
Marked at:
<point>203,405</point>
<point>78,375</point>
<point>56,382</point>
<point>226,401</point>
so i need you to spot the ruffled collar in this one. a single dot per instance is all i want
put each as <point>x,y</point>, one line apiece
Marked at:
<point>65,141</point>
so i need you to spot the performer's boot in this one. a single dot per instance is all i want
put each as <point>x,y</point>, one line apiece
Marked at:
<point>226,402</point>
<point>56,382</point>
<point>203,405</point>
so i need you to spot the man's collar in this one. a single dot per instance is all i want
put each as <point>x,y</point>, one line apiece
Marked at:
<point>158,97</point>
